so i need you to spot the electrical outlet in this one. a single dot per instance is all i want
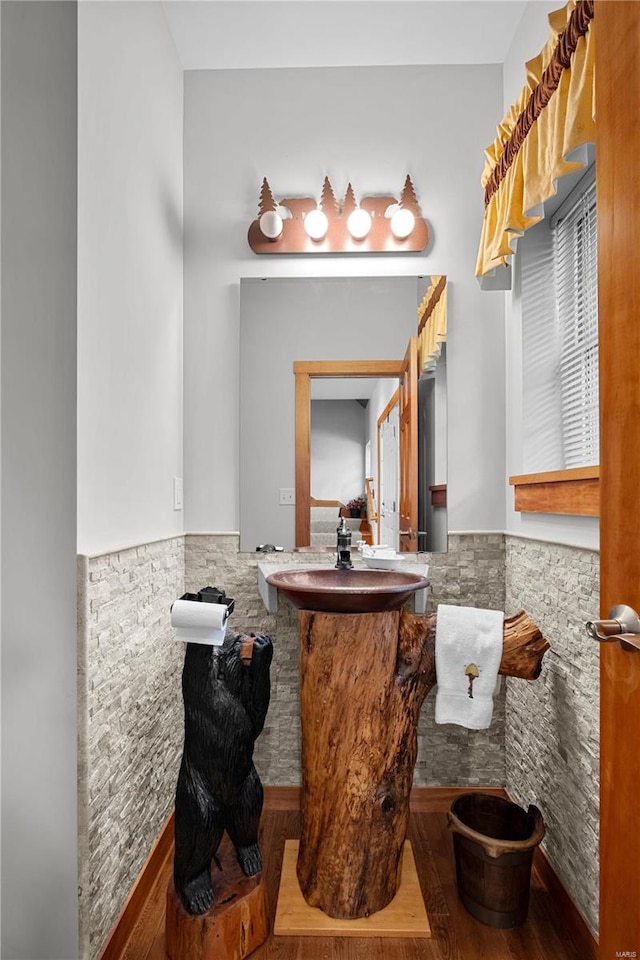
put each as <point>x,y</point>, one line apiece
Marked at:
<point>177,493</point>
<point>287,496</point>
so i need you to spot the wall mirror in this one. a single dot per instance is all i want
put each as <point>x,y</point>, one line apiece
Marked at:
<point>348,339</point>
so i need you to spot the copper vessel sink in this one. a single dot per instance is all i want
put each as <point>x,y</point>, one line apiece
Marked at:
<point>330,590</point>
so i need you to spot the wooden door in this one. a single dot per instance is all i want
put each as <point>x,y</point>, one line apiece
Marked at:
<point>409,449</point>
<point>304,372</point>
<point>389,460</point>
<point>617,26</point>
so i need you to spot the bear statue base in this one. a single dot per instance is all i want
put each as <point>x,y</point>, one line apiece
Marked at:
<point>232,928</point>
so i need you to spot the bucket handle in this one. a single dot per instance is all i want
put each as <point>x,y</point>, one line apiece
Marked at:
<point>494,847</point>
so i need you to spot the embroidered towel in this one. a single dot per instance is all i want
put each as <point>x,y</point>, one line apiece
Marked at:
<point>468,654</point>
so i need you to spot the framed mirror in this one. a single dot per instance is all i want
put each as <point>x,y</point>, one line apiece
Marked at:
<point>359,329</point>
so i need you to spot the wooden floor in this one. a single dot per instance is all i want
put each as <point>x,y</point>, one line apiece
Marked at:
<point>455,934</point>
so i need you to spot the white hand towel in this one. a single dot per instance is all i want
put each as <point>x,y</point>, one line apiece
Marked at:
<point>468,654</point>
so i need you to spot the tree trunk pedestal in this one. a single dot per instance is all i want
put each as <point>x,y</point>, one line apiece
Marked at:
<point>363,680</point>
<point>234,927</point>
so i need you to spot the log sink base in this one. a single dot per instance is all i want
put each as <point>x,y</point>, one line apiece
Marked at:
<point>363,680</point>
<point>236,924</point>
<point>405,916</point>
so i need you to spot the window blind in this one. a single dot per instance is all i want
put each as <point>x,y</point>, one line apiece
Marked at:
<point>576,296</point>
<point>541,399</point>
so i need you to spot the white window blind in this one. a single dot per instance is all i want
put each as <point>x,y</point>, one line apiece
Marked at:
<point>575,261</point>
<point>558,263</point>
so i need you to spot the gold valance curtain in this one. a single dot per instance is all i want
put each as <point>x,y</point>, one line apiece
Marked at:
<point>552,118</point>
<point>432,324</point>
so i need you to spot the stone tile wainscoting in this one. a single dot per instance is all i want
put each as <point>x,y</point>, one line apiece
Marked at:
<point>552,724</point>
<point>130,724</point>
<point>471,573</point>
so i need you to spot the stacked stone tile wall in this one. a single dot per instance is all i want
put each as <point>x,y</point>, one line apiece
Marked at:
<point>471,573</point>
<point>552,729</point>
<point>131,723</point>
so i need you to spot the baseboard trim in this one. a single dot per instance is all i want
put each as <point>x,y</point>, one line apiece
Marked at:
<point>576,926</point>
<point>439,799</point>
<point>282,798</point>
<point>122,929</point>
<point>422,799</point>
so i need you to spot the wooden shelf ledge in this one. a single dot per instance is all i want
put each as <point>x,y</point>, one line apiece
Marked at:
<point>438,495</point>
<point>575,492</point>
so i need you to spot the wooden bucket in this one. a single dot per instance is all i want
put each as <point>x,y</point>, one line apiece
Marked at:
<point>494,842</point>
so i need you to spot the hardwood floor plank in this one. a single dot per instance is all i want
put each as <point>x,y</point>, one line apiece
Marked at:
<point>444,938</point>
<point>524,941</point>
<point>456,935</point>
<point>428,875</point>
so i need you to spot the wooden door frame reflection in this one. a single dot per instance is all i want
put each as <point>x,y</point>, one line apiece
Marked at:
<point>303,371</point>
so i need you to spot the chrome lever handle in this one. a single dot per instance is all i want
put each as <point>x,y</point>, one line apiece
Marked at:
<point>623,625</point>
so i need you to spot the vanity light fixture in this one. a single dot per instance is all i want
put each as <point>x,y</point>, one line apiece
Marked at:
<point>377,224</point>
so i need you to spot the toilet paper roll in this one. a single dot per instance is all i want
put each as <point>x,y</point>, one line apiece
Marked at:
<point>198,622</point>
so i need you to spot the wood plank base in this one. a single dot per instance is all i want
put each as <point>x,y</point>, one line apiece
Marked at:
<point>236,924</point>
<point>405,916</point>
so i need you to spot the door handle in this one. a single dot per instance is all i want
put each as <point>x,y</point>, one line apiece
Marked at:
<point>623,625</point>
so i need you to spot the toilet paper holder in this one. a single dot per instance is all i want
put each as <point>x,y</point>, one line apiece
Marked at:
<point>212,595</point>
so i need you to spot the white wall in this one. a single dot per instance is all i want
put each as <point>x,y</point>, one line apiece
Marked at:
<point>39,643</point>
<point>531,36</point>
<point>130,113</point>
<point>371,126</point>
<point>337,449</point>
<point>529,39</point>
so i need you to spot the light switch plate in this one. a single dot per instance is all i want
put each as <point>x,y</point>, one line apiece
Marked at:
<point>287,496</point>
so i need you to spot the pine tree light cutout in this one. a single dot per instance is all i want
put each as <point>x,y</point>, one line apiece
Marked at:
<point>328,202</point>
<point>408,199</point>
<point>266,202</point>
<point>349,203</point>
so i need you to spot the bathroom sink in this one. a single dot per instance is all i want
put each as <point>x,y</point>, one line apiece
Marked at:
<point>330,590</point>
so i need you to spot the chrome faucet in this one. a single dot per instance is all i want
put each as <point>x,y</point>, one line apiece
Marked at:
<point>343,546</point>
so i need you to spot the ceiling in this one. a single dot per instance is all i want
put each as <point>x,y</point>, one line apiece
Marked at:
<point>245,34</point>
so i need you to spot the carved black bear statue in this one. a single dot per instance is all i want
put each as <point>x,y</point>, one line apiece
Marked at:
<point>226,695</point>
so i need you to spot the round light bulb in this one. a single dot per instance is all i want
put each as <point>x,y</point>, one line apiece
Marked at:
<point>271,225</point>
<point>316,224</point>
<point>359,224</point>
<point>402,223</point>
